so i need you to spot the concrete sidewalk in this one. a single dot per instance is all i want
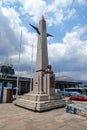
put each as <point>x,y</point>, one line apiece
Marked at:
<point>16,118</point>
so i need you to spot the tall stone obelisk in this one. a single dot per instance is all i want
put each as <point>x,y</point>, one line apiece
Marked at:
<point>42,52</point>
<point>42,57</point>
<point>42,96</point>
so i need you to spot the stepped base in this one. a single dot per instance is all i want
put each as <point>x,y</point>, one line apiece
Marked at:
<point>37,102</point>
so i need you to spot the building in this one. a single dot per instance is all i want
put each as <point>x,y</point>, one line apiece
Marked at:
<point>6,69</point>
<point>66,82</point>
<point>8,83</point>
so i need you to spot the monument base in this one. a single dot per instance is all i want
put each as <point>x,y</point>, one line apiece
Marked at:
<point>40,102</point>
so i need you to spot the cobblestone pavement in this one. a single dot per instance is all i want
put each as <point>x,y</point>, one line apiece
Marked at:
<point>16,118</point>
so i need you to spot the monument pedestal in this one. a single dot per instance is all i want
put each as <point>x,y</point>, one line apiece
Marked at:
<point>40,102</point>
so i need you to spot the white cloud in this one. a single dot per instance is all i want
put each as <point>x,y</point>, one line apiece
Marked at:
<point>10,31</point>
<point>69,56</point>
<point>80,30</point>
<point>60,12</point>
<point>34,8</point>
<point>0,4</point>
<point>62,3</point>
<point>56,19</point>
<point>56,51</point>
<point>81,2</point>
<point>9,18</point>
<point>6,1</point>
<point>70,14</point>
<point>76,47</point>
<point>12,16</point>
<point>77,75</point>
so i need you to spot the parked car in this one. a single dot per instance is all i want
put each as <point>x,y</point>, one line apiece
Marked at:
<point>79,97</point>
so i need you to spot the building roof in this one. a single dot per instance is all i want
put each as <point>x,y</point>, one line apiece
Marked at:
<point>7,65</point>
<point>67,79</point>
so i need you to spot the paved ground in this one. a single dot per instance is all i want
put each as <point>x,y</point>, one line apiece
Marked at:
<point>16,118</point>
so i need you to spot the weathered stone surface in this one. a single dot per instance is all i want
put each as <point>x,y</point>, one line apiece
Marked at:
<point>42,97</point>
<point>39,103</point>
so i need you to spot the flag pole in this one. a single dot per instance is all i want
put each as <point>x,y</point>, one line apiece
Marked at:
<point>31,82</point>
<point>19,65</point>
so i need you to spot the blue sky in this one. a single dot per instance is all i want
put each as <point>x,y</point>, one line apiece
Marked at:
<point>66,20</point>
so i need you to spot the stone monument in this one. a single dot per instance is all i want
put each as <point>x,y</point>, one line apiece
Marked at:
<point>42,96</point>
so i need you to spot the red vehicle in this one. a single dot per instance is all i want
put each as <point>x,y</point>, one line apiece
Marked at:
<point>79,97</point>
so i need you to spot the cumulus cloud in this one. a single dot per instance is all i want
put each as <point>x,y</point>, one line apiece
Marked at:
<point>77,75</point>
<point>56,51</point>
<point>71,46</point>
<point>10,34</point>
<point>33,8</point>
<point>81,2</point>
<point>68,56</point>
<point>70,14</point>
<point>8,20</point>
<point>61,11</point>
<point>34,11</point>
<point>62,3</point>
